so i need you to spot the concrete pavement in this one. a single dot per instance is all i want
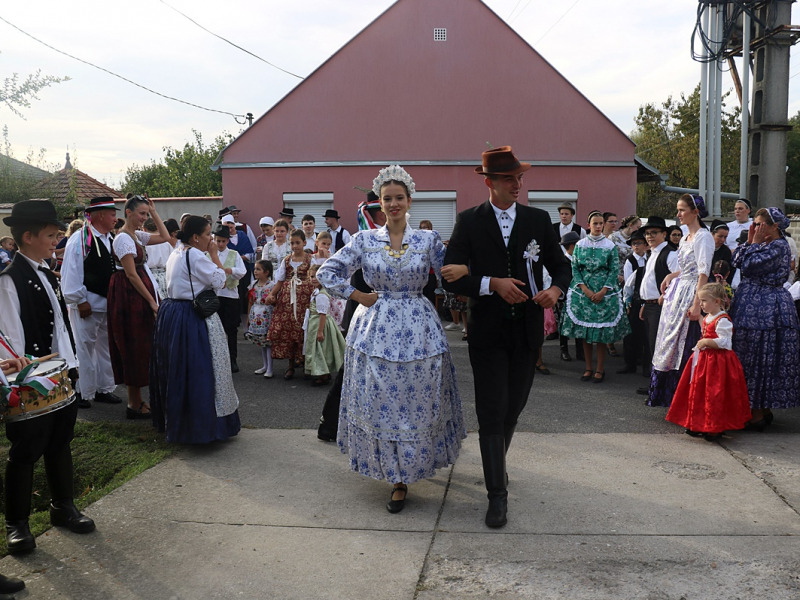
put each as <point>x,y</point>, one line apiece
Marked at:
<point>277,514</point>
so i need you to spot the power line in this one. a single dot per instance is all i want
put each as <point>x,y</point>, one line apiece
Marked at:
<point>86,62</point>
<point>512,10</point>
<point>230,42</point>
<point>557,22</point>
<point>522,10</point>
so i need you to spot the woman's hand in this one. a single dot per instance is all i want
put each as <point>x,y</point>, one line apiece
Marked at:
<point>364,299</point>
<point>667,280</point>
<point>323,253</point>
<point>751,232</point>
<point>452,273</point>
<point>320,335</point>
<point>762,233</point>
<point>694,312</point>
<point>598,297</point>
<point>587,292</point>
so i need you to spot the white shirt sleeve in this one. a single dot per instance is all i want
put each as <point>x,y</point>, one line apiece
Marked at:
<point>123,245</point>
<point>280,272</point>
<point>10,323</point>
<point>323,304</point>
<point>703,251</point>
<point>72,271</point>
<point>672,260</point>
<point>725,334</point>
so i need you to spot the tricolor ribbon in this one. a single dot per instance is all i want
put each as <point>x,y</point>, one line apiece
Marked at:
<point>10,392</point>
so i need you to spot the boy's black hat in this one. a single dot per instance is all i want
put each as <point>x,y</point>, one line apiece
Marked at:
<point>222,230</point>
<point>34,212</point>
<point>636,236</point>
<point>654,222</point>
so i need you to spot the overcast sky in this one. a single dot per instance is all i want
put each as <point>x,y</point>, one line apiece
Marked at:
<point>619,53</point>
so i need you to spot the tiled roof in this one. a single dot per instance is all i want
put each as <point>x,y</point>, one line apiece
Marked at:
<point>58,186</point>
<point>19,168</point>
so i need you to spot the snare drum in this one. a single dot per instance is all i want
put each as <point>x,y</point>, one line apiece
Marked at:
<point>32,403</point>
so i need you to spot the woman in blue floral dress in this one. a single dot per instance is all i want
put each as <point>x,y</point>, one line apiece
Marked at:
<point>594,310</point>
<point>401,416</point>
<point>765,327</point>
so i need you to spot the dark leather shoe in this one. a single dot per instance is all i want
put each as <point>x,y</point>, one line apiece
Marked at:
<point>395,506</point>
<point>82,402</point>
<point>326,436</point>
<point>11,585</point>
<point>19,537</point>
<point>107,398</point>
<point>64,514</point>
<point>496,515</point>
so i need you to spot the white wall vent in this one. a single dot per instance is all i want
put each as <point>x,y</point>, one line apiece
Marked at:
<point>439,34</point>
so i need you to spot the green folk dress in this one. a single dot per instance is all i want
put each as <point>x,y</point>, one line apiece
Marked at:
<point>595,263</point>
<point>326,356</point>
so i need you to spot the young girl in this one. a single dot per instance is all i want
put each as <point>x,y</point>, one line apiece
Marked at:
<point>594,310</point>
<point>291,296</point>
<point>323,243</point>
<point>324,347</point>
<point>260,314</point>
<point>712,394</point>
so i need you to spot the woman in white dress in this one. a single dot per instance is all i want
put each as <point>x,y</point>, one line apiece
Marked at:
<point>401,416</point>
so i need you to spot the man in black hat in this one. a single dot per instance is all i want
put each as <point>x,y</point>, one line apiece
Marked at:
<point>85,274</point>
<point>34,320</point>
<point>287,214</point>
<point>634,345</point>
<point>505,244</point>
<point>662,260</point>
<point>235,211</point>
<point>566,215</point>
<point>339,234</point>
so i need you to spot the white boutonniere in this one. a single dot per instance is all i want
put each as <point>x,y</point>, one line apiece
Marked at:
<point>532,251</point>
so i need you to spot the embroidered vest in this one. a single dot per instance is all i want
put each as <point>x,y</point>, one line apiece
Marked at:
<point>98,267</point>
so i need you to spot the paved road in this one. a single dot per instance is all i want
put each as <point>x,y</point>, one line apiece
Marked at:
<point>559,403</point>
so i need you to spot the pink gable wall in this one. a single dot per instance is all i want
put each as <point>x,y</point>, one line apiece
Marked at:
<point>393,93</point>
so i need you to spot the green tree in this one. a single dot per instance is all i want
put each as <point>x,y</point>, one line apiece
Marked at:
<point>793,159</point>
<point>667,136</point>
<point>180,173</point>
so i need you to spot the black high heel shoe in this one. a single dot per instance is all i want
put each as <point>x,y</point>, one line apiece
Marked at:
<point>597,379</point>
<point>587,375</point>
<point>395,506</point>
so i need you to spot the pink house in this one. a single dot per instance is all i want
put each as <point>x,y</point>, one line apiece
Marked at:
<point>429,84</point>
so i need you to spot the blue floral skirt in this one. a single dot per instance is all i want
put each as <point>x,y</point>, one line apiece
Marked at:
<point>400,421</point>
<point>770,361</point>
<point>182,385</point>
<point>664,383</point>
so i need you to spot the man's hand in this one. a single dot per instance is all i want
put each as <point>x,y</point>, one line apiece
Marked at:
<point>84,310</point>
<point>507,288</point>
<point>548,298</point>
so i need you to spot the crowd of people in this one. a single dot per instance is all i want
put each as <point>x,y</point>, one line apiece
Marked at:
<point>144,302</point>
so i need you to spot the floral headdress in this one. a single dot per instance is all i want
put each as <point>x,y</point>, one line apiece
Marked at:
<point>393,173</point>
<point>780,219</point>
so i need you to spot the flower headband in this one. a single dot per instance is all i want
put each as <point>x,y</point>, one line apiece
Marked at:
<point>780,219</point>
<point>393,173</point>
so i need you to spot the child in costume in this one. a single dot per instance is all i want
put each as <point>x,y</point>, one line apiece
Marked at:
<point>260,314</point>
<point>711,396</point>
<point>324,345</point>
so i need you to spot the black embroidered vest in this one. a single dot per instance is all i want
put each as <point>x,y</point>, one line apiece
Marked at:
<point>662,269</point>
<point>36,312</point>
<point>339,244</point>
<point>98,268</point>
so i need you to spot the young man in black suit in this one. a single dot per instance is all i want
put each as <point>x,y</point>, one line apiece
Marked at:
<point>505,245</point>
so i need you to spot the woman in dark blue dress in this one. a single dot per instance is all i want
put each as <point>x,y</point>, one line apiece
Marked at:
<point>765,326</point>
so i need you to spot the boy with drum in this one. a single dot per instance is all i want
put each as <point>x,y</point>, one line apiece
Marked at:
<point>34,321</point>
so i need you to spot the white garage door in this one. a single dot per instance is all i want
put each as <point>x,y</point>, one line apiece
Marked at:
<point>437,207</point>
<point>550,200</point>
<point>309,204</point>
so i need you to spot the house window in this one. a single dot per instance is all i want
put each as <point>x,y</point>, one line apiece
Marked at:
<point>550,200</point>
<point>440,34</point>
<point>313,203</point>
<point>437,207</point>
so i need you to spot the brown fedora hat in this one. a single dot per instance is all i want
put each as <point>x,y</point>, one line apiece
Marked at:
<point>501,161</point>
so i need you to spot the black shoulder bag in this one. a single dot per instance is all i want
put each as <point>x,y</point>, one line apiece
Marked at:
<point>206,302</point>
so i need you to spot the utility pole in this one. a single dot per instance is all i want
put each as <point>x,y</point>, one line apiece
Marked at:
<point>769,120</point>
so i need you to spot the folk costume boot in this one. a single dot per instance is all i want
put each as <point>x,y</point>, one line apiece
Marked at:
<point>507,435</point>
<point>19,486</point>
<point>493,456</point>
<point>63,513</point>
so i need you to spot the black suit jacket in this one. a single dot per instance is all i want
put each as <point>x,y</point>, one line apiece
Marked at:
<point>478,243</point>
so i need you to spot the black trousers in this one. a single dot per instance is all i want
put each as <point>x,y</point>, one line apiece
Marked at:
<point>652,315</point>
<point>503,376</point>
<point>229,315</point>
<point>635,346</point>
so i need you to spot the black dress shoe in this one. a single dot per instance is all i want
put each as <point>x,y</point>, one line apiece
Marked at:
<point>565,356</point>
<point>626,371</point>
<point>82,402</point>
<point>11,585</point>
<point>19,537</point>
<point>64,514</point>
<point>497,513</point>
<point>326,436</point>
<point>107,398</point>
<point>395,506</point>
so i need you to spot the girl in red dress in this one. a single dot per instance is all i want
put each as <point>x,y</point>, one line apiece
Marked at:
<point>712,394</point>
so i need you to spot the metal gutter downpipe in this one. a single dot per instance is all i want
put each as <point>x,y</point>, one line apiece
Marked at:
<point>717,202</point>
<point>703,112</point>
<point>745,105</point>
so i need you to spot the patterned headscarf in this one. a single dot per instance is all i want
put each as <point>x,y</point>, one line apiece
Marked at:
<point>780,219</point>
